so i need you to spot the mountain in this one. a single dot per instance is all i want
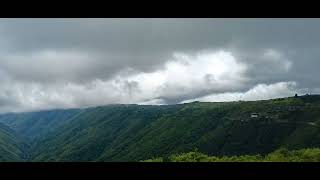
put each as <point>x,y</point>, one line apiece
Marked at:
<point>99,130</point>
<point>33,125</point>
<point>139,132</point>
<point>11,148</point>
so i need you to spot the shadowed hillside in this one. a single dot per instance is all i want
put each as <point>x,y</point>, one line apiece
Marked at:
<point>11,148</point>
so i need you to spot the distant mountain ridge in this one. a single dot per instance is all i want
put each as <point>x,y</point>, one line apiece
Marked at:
<point>139,132</point>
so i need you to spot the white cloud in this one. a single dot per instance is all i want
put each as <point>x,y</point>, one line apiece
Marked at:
<point>191,74</point>
<point>258,92</point>
<point>181,76</point>
<point>184,76</point>
<point>152,102</point>
<point>277,59</point>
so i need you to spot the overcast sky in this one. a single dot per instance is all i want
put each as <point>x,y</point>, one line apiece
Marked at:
<point>67,63</point>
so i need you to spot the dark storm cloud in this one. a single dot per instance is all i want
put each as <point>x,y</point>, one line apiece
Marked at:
<point>73,62</point>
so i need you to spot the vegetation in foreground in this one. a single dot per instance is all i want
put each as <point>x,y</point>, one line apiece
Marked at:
<point>280,155</point>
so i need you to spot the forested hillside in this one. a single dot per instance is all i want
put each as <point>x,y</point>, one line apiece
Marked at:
<point>11,147</point>
<point>140,132</point>
<point>33,125</point>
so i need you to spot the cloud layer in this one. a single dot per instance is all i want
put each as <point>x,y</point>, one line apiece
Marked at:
<point>63,63</point>
<point>184,76</point>
<point>259,92</point>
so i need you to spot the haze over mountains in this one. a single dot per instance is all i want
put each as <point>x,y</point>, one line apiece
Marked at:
<point>139,132</point>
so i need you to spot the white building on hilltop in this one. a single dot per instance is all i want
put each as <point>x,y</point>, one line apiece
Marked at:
<point>254,115</point>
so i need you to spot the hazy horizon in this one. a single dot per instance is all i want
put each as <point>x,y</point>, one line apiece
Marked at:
<point>116,104</point>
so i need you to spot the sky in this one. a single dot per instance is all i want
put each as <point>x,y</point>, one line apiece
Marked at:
<point>76,63</point>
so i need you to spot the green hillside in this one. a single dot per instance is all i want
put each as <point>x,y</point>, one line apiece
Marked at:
<point>227,129</point>
<point>11,148</point>
<point>98,130</point>
<point>139,132</point>
<point>32,125</point>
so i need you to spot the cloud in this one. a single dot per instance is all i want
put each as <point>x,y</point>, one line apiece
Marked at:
<point>277,59</point>
<point>184,76</point>
<point>190,75</point>
<point>153,102</point>
<point>47,65</point>
<point>181,77</point>
<point>57,63</point>
<point>258,92</point>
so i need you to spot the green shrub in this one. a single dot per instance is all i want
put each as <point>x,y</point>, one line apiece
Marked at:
<point>280,155</point>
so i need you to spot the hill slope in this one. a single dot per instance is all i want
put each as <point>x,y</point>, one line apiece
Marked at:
<point>11,148</point>
<point>135,132</point>
<point>33,125</point>
<point>98,130</point>
<point>227,129</point>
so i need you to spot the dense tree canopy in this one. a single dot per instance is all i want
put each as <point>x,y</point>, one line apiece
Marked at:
<point>280,155</point>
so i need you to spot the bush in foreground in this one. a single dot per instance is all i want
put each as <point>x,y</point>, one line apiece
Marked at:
<point>280,155</point>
